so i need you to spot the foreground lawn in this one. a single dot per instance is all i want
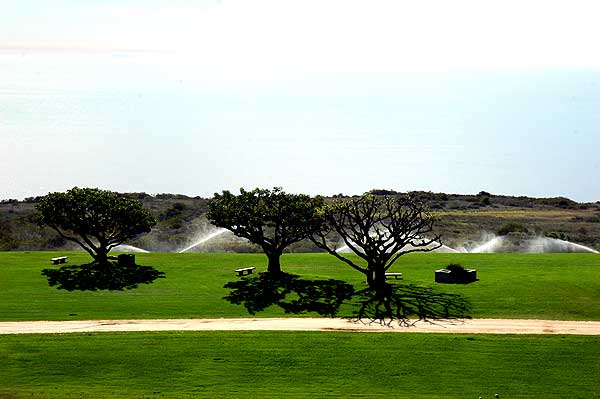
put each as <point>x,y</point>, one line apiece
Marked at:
<point>298,365</point>
<point>548,286</point>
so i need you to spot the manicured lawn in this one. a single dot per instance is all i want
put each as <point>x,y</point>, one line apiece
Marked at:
<point>298,365</point>
<point>549,286</point>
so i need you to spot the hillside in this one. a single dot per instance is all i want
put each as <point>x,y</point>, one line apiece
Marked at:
<point>463,221</point>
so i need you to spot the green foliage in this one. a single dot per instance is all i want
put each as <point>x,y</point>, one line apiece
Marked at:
<point>97,220</point>
<point>508,228</point>
<point>137,196</point>
<point>559,235</point>
<point>455,268</point>
<point>378,191</point>
<point>7,242</point>
<point>172,196</point>
<point>10,201</point>
<point>458,274</point>
<point>559,202</point>
<point>272,219</point>
<point>442,197</point>
<point>175,222</point>
<point>457,226</point>
<point>174,211</point>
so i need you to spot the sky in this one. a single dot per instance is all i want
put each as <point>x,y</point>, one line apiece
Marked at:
<point>320,97</point>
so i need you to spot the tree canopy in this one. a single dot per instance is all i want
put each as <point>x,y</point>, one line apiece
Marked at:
<point>379,229</point>
<point>97,220</point>
<point>272,219</point>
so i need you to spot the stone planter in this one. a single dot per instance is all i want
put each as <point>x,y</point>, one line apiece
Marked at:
<point>446,276</point>
<point>126,260</point>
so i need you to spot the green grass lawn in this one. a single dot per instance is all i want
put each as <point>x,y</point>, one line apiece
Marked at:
<point>298,365</point>
<point>549,286</point>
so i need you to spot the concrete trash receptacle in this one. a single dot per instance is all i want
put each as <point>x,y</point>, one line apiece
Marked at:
<point>445,276</point>
<point>126,260</point>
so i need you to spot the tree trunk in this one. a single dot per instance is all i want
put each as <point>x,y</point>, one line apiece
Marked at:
<point>101,257</point>
<point>274,267</point>
<point>376,277</point>
<point>380,276</point>
<point>370,278</point>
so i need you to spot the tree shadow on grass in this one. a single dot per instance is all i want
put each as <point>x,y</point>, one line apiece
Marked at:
<point>93,277</point>
<point>401,303</point>
<point>290,293</point>
<point>407,304</point>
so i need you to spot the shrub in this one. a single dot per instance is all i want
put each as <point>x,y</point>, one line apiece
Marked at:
<point>559,235</point>
<point>379,191</point>
<point>558,202</point>
<point>455,268</point>
<point>507,228</point>
<point>442,197</point>
<point>458,275</point>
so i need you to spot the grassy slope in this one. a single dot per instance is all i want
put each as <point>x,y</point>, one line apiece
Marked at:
<point>298,365</point>
<point>563,286</point>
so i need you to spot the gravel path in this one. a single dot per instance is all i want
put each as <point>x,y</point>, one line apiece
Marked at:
<point>491,326</point>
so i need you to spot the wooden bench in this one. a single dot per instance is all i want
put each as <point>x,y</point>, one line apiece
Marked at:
<point>59,260</point>
<point>395,275</point>
<point>245,270</point>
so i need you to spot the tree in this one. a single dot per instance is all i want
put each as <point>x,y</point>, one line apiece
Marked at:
<point>272,219</point>
<point>97,220</point>
<point>379,229</point>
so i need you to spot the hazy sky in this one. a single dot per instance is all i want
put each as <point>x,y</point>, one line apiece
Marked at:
<point>320,96</point>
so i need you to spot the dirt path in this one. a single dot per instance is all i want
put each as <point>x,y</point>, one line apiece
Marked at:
<point>492,326</point>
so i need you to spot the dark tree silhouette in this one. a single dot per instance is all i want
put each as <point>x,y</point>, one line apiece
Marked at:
<point>401,303</point>
<point>408,303</point>
<point>272,219</point>
<point>91,278</point>
<point>289,292</point>
<point>97,220</point>
<point>379,229</point>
